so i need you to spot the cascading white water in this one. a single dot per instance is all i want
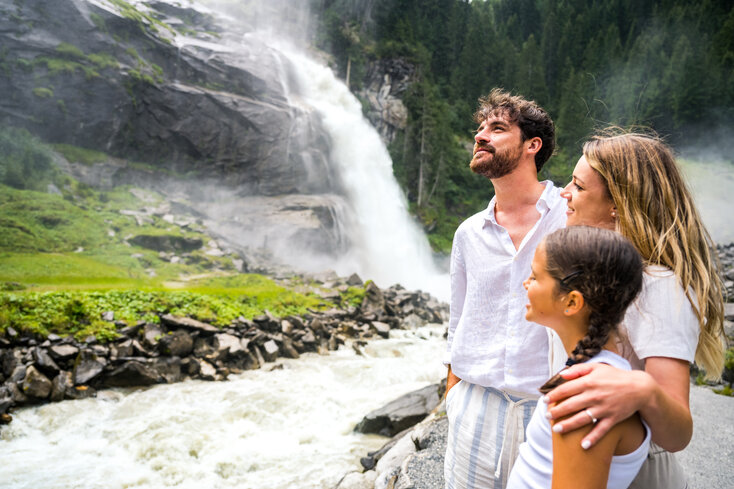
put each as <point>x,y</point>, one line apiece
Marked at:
<point>388,246</point>
<point>285,428</point>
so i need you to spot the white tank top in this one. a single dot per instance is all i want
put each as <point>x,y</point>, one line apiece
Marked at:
<point>534,465</point>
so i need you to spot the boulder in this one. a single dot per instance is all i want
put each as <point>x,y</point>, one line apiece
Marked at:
<point>374,300</point>
<point>178,343</point>
<point>60,385</point>
<point>132,373</point>
<point>270,351</point>
<point>36,385</point>
<point>44,362</point>
<point>401,413</point>
<point>63,352</point>
<point>188,323</point>
<point>87,366</point>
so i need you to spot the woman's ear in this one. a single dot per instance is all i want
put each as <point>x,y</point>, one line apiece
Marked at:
<point>574,303</point>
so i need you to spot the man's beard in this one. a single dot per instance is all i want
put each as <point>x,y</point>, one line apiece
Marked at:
<point>500,164</point>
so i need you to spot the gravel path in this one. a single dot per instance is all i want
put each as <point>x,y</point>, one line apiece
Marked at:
<point>709,459</point>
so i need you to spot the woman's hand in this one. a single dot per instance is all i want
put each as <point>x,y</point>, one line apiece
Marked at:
<point>611,395</point>
<point>660,394</point>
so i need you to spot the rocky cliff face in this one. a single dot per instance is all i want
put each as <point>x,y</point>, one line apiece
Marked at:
<point>182,89</point>
<point>385,83</point>
<point>161,84</point>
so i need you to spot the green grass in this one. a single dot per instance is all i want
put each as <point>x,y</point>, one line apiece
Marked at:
<point>75,154</point>
<point>217,301</point>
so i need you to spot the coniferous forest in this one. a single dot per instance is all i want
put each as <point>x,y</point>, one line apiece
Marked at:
<point>667,65</point>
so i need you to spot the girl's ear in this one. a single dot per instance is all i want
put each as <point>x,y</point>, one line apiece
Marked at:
<point>574,302</point>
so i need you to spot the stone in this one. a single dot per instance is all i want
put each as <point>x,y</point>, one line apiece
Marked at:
<point>401,413</point>
<point>169,368</point>
<point>36,385</point>
<point>44,362</point>
<point>382,329</point>
<point>358,480</point>
<point>374,300</point>
<point>132,373</point>
<point>122,349</point>
<point>6,399</point>
<point>152,333</point>
<point>270,351</point>
<point>178,343</point>
<point>87,366</point>
<point>62,383</point>
<point>63,352</point>
<point>18,374</point>
<point>207,370</point>
<point>188,323</point>
<point>354,279</point>
<point>289,350</point>
<point>81,392</point>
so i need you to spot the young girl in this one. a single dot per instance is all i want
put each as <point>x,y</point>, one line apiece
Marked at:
<point>582,281</point>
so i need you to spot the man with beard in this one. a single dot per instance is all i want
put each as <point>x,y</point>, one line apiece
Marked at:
<point>497,360</point>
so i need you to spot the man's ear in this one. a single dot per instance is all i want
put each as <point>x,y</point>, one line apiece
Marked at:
<point>534,145</point>
<point>574,303</point>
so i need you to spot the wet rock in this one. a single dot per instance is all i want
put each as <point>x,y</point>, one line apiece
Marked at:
<point>401,413</point>
<point>374,300</point>
<point>60,385</point>
<point>178,343</point>
<point>36,385</point>
<point>270,351</point>
<point>152,333</point>
<point>18,374</point>
<point>81,392</point>
<point>354,279</point>
<point>6,399</point>
<point>207,370</point>
<point>63,352</point>
<point>132,373</point>
<point>122,349</point>
<point>289,350</point>
<point>382,329</point>
<point>44,362</point>
<point>87,366</point>
<point>169,368</point>
<point>188,323</point>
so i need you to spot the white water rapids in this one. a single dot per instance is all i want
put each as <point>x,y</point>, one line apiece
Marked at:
<point>285,428</point>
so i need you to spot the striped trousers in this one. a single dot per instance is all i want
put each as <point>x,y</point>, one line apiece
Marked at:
<point>486,428</point>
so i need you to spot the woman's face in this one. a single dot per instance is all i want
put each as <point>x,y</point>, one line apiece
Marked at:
<point>588,199</point>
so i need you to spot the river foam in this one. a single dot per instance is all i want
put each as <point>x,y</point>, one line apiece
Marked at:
<point>286,428</point>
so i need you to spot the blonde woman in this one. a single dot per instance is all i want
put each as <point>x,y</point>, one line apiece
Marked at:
<point>630,183</point>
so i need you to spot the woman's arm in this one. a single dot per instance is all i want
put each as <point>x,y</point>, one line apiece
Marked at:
<point>659,393</point>
<point>578,468</point>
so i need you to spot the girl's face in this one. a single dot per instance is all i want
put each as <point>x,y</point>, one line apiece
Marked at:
<point>588,199</point>
<point>545,305</point>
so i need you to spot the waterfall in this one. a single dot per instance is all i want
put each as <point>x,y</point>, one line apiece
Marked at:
<point>387,244</point>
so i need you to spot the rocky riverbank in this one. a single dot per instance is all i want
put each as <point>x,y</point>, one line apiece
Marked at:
<point>36,370</point>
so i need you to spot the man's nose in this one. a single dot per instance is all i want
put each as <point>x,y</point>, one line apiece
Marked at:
<point>482,136</point>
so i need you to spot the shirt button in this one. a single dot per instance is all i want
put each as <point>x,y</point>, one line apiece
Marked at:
<point>509,370</point>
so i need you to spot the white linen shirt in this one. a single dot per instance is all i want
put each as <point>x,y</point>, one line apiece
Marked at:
<point>489,341</point>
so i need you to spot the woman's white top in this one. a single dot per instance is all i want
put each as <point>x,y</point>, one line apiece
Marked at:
<point>661,322</point>
<point>534,465</point>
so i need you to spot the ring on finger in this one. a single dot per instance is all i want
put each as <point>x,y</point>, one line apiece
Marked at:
<point>588,413</point>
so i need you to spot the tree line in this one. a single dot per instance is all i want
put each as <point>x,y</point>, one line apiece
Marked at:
<point>666,64</point>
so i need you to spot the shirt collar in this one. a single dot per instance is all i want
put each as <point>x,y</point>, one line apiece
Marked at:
<point>543,204</point>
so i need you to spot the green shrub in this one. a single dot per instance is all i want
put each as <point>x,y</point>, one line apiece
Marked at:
<point>25,162</point>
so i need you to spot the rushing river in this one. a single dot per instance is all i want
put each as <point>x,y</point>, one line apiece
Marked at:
<point>288,427</point>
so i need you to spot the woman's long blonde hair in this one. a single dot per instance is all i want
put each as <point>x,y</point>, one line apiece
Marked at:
<point>657,214</point>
